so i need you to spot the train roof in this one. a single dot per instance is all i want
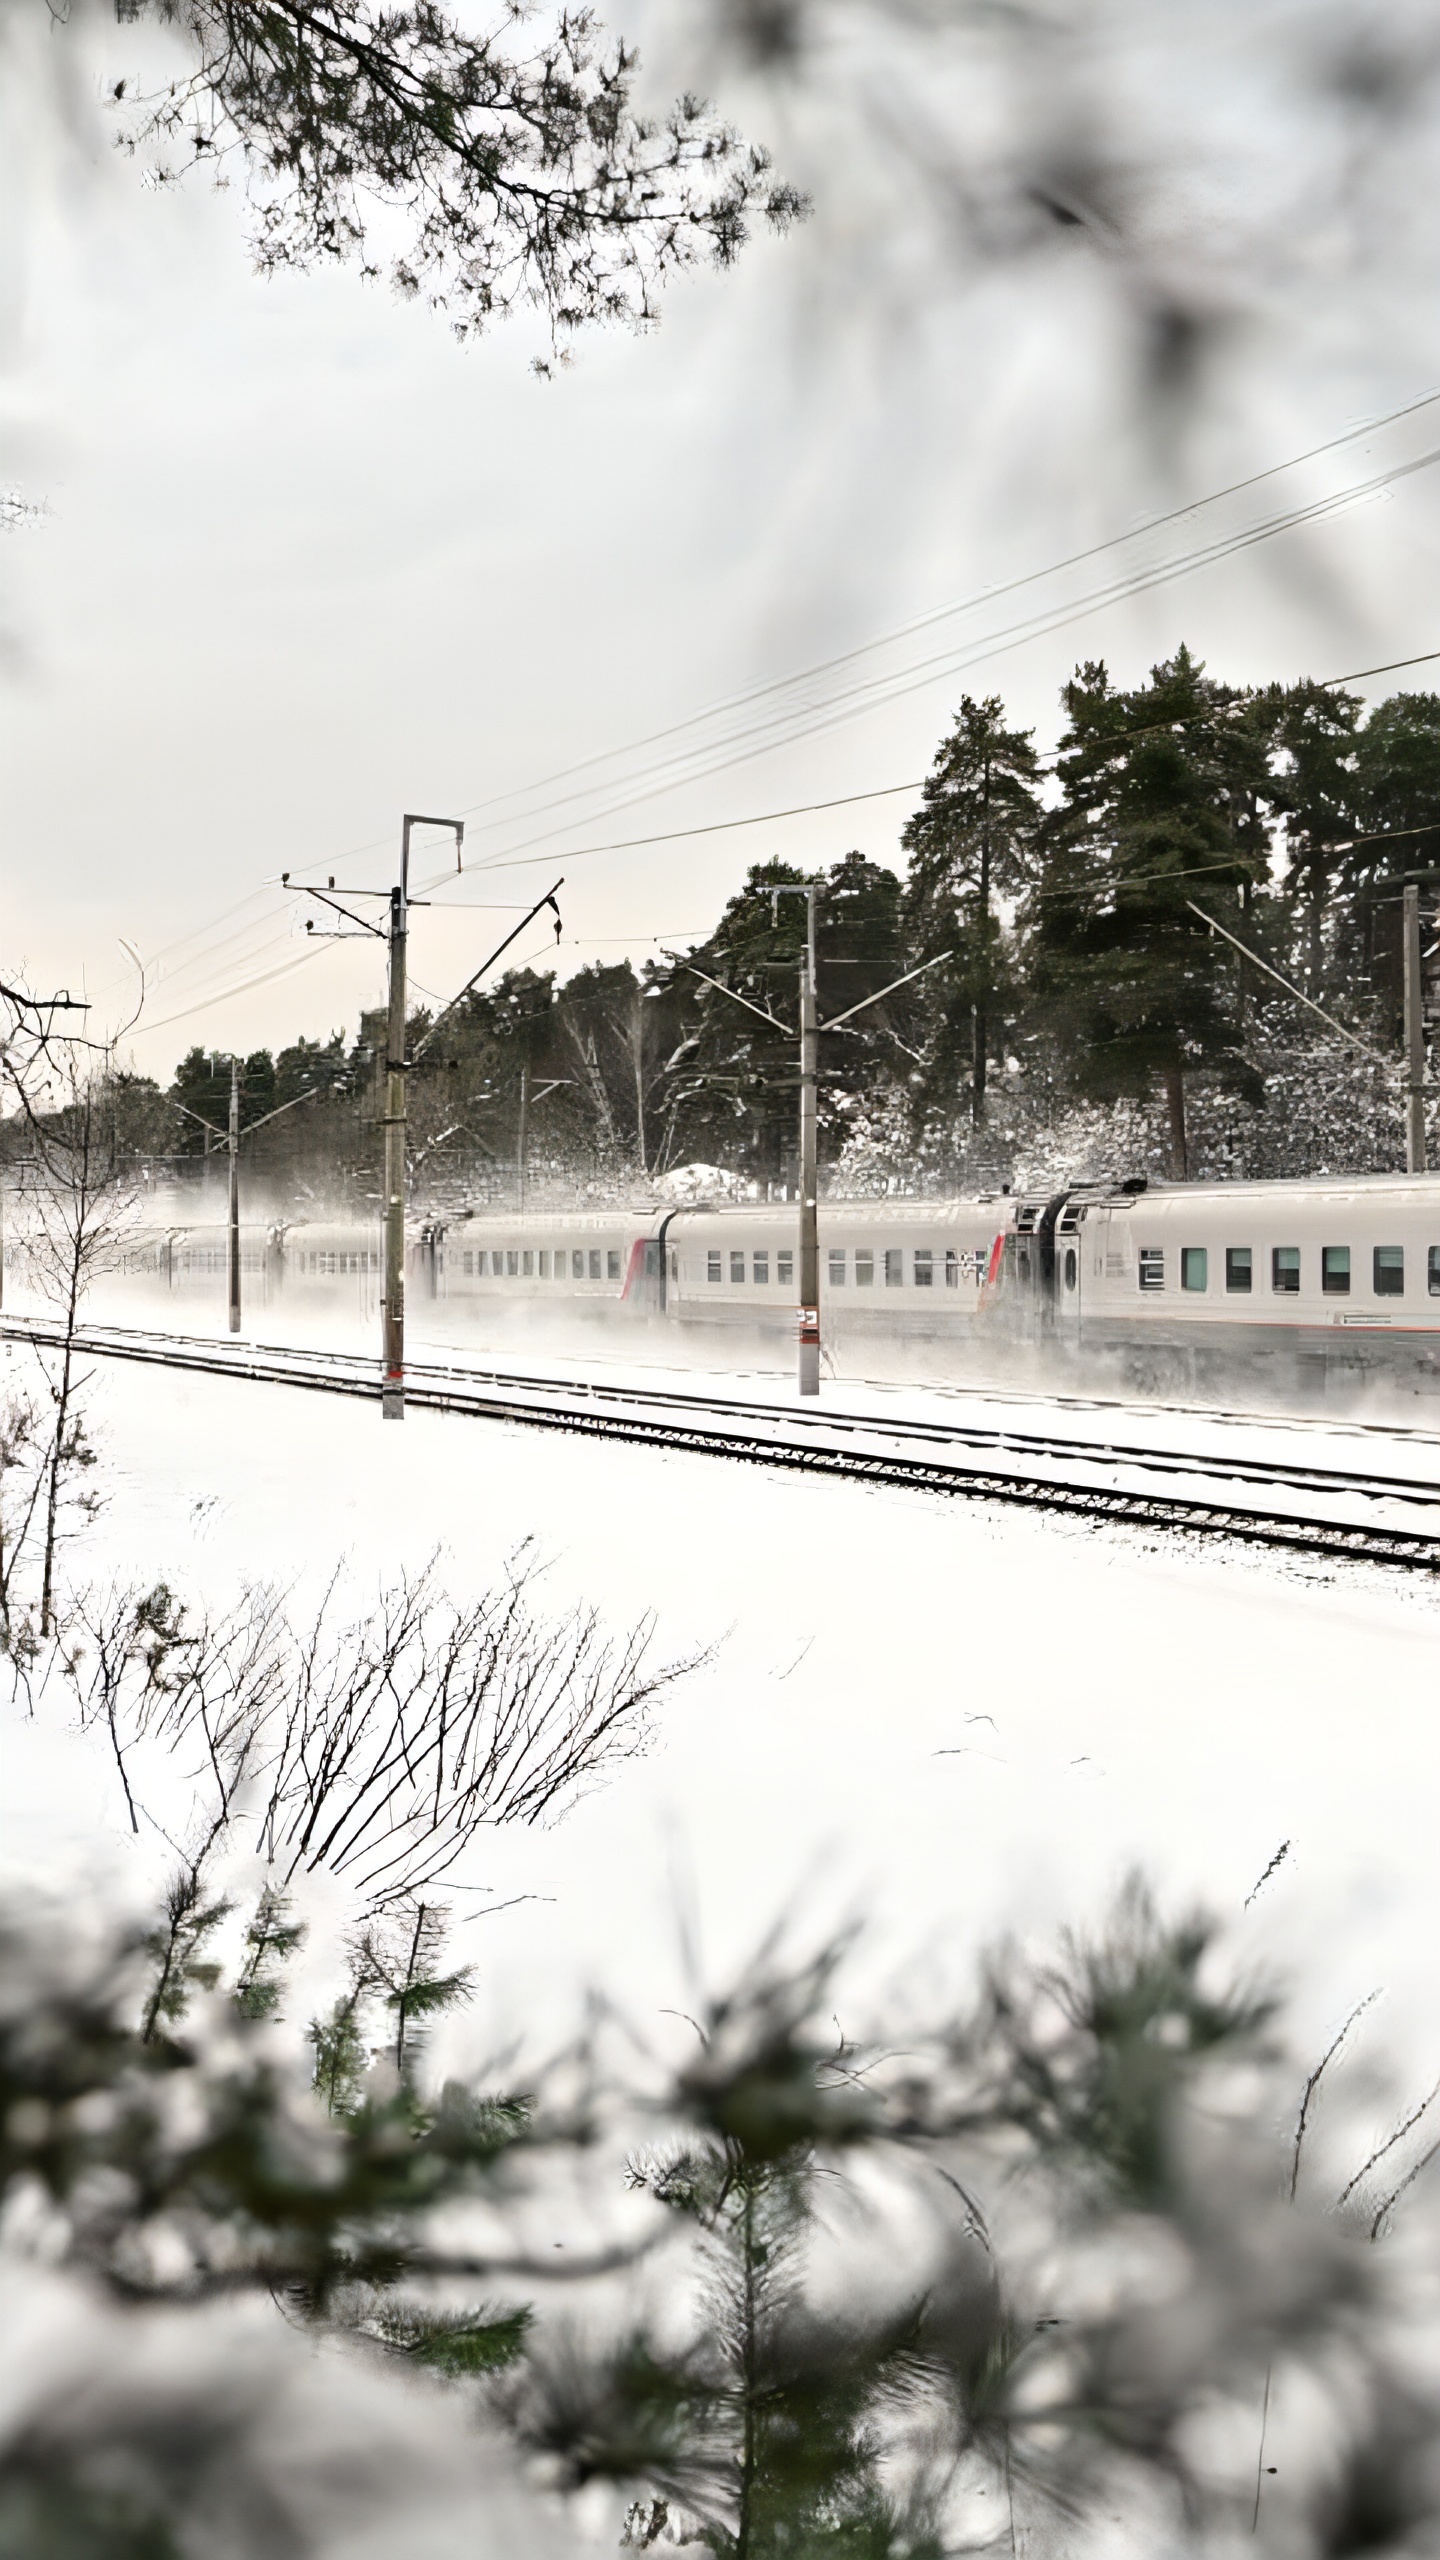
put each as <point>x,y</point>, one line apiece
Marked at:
<point>1311,1186</point>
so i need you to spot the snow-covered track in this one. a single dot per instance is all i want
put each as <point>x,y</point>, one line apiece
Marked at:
<point>1316,1510</point>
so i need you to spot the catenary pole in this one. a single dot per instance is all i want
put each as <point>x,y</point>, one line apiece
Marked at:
<point>809,1373</point>
<point>1414,1035</point>
<point>521,1137</point>
<point>233,1141</point>
<point>231,1135</point>
<point>810,1029</point>
<point>394,934</point>
<point>392,1303</point>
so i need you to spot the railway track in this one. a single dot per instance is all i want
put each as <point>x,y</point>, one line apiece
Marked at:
<point>1316,1510</point>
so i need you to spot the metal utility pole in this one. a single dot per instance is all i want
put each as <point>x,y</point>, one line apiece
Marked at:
<point>232,1135</point>
<point>233,1258</point>
<point>397,1068</point>
<point>392,1300</point>
<point>809,1377</point>
<point>520,1139</point>
<point>810,1029</point>
<point>1414,1035</point>
<point>392,1304</point>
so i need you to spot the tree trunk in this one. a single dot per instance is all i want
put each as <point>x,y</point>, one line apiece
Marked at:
<point>981,1035</point>
<point>1175,1098</point>
<point>638,1056</point>
<point>1314,928</point>
<point>59,1453</point>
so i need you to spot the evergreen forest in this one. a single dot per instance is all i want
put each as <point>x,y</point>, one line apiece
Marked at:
<point>1079,1008</point>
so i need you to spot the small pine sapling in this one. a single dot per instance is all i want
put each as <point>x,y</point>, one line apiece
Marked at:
<point>177,1950</point>
<point>273,1936</point>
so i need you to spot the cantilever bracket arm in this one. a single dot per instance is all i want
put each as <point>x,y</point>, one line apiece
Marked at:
<point>217,1132</point>
<point>362,921</point>
<point>772,1018</point>
<point>212,1125</point>
<point>1352,1039</point>
<point>549,900</point>
<point>837,1018</point>
<point>309,1095</point>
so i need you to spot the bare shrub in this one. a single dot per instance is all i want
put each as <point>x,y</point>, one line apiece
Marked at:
<point>371,1748</point>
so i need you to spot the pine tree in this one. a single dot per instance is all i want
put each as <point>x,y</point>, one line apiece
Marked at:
<point>395,1967</point>
<point>1165,802</point>
<point>272,1937</point>
<point>970,842</point>
<point>1397,813</point>
<point>1313,730</point>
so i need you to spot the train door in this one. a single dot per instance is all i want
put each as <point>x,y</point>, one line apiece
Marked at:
<point>1034,1258</point>
<point>1067,1279</point>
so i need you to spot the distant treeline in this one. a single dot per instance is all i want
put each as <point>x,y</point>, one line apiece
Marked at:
<point>1070,897</point>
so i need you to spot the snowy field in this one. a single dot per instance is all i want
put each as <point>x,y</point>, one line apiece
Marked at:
<point>936,1718</point>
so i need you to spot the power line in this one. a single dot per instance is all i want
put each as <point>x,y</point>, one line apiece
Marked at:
<point>921,622</point>
<point>949,663</point>
<point>888,688</point>
<point>764,817</point>
<point>890,790</point>
<point>942,613</point>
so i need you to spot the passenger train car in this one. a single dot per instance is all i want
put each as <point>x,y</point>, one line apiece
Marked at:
<point>1304,1283</point>
<point>1313,1283</point>
<point>1310,1284</point>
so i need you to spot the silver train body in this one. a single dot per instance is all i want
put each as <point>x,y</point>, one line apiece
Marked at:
<point>1307,1283</point>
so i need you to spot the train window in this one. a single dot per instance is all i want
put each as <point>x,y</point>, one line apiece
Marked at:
<point>837,1266</point>
<point>785,1270</point>
<point>894,1268</point>
<point>469,1263</point>
<point>674,1266</point>
<point>512,1264</point>
<point>1335,1270</point>
<point>1285,1269</point>
<point>952,1267</point>
<point>594,1264</point>
<point>1072,1266</point>
<point>612,1266</point>
<point>762,1271</point>
<point>737,1266</point>
<point>527,1265</point>
<point>1239,1267</point>
<point>1434,1270</point>
<point>864,1268</point>
<point>1194,1266</point>
<point>577,1266</point>
<point>1152,1266</point>
<point>1389,1271</point>
<point>544,1266</point>
<point>712,1266</point>
<point>924,1267</point>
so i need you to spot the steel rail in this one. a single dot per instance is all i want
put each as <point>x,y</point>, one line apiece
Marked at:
<point>836,1444</point>
<point>1238,1467</point>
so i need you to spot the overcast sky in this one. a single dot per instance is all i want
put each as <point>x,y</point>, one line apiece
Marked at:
<point>306,563</point>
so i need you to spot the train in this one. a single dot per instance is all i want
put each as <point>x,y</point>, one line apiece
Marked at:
<point>1320,1283</point>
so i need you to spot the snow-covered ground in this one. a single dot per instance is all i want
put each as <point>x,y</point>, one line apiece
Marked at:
<point>940,1719</point>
